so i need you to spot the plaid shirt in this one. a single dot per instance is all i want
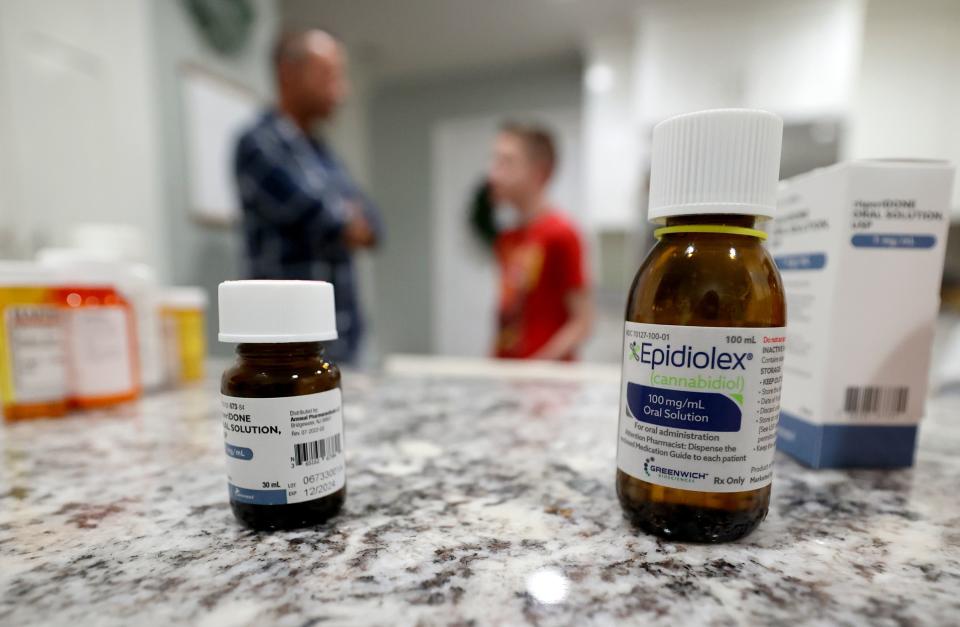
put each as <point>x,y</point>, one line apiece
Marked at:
<point>295,197</point>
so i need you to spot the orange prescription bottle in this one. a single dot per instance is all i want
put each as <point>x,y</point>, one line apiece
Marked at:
<point>33,369</point>
<point>101,344</point>
<point>136,284</point>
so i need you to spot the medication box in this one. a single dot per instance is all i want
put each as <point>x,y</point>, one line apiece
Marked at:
<point>860,246</point>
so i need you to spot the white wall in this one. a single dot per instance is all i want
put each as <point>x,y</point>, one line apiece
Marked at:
<point>81,120</point>
<point>908,91</point>
<point>611,134</point>
<point>798,59</point>
<point>10,235</point>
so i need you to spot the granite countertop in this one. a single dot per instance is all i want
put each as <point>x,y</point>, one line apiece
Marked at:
<point>470,501</point>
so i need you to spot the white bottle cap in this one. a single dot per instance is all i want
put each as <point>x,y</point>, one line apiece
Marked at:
<point>268,312</point>
<point>107,240</point>
<point>27,274</point>
<point>184,297</point>
<point>716,161</point>
<point>85,268</point>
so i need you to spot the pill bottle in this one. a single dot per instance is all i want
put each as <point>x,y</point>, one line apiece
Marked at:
<point>33,363</point>
<point>102,364</point>
<point>704,333</point>
<point>121,249</point>
<point>281,403</point>
<point>183,312</point>
<point>137,284</point>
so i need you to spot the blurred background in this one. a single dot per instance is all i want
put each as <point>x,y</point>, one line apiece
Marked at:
<point>127,112</point>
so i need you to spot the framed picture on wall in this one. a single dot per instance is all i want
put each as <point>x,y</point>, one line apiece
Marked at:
<point>215,111</point>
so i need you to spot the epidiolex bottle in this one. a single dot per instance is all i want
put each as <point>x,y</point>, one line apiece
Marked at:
<point>281,404</point>
<point>704,333</point>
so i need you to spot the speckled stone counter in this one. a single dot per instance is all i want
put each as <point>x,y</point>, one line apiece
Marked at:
<point>471,501</point>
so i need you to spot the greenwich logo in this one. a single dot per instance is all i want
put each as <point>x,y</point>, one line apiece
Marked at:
<point>651,468</point>
<point>686,356</point>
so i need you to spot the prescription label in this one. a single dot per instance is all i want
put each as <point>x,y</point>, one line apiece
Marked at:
<point>101,351</point>
<point>284,450</point>
<point>36,337</point>
<point>699,405</point>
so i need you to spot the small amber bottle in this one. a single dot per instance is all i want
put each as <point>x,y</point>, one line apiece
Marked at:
<point>281,404</point>
<point>704,334</point>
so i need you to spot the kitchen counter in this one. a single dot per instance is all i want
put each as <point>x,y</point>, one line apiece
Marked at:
<point>471,500</point>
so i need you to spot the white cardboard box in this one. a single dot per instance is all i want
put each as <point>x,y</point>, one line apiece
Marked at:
<point>860,247</point>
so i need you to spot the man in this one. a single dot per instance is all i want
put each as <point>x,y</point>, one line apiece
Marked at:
<point>303,216</point>
<point>545,308</point>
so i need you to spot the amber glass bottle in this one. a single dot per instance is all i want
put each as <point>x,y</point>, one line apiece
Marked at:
<point>281,404</point>
<point>704,334</point>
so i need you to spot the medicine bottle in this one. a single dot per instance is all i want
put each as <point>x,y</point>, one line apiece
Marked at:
<point>102,363</point>
<point>136,284</point>
<point>704,333</point>
<point>33,362</point>
<point>183,314</point>
<point>281,404</point>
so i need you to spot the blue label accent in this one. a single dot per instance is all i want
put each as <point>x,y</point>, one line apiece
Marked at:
<point>804,261</point>
<point>846,446</point>
<point>893,240</point>
<point>239,452</point>
<point>257,497</point>
<point>682,409</point>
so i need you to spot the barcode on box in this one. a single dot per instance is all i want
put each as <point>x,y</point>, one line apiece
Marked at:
<point>306,452</point>
<point>882,401</point>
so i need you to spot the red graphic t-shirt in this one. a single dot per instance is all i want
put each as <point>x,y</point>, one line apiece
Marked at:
<point>540,264</point>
